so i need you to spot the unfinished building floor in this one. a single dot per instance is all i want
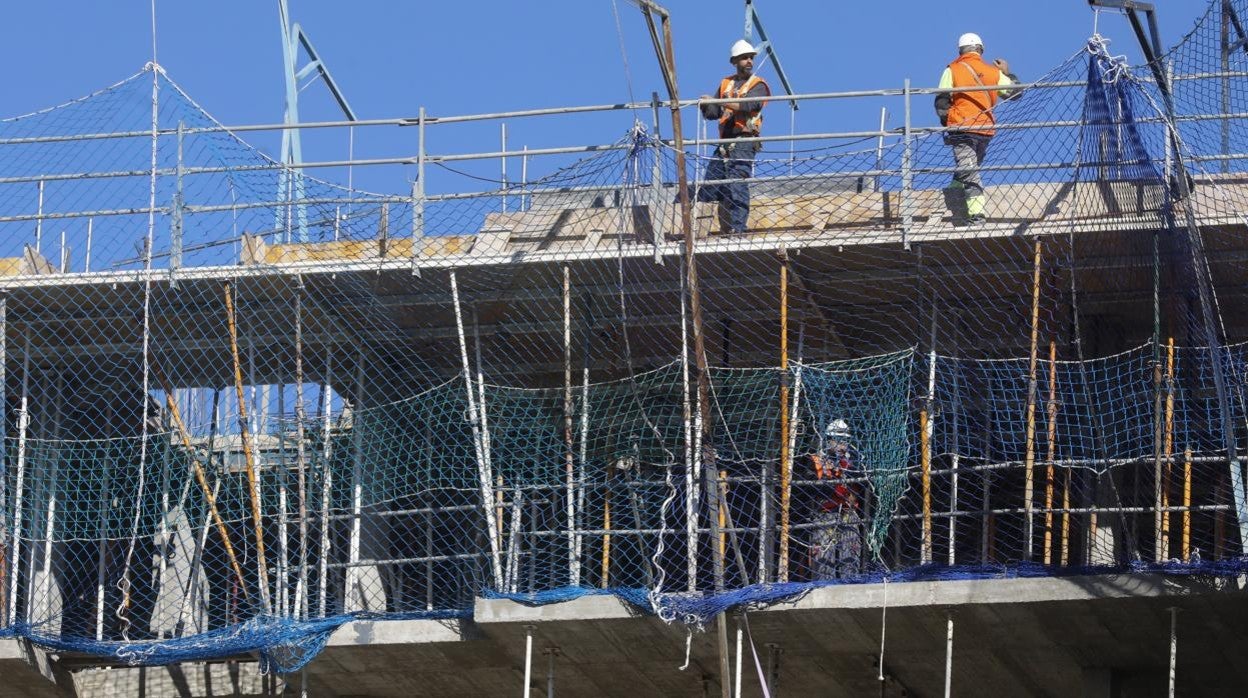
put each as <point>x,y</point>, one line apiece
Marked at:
<point>1096,636</point>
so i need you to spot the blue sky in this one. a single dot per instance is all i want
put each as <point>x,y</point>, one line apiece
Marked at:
<point>476,56</point>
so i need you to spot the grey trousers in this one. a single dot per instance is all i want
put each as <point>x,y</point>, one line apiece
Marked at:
<point>968,154</point>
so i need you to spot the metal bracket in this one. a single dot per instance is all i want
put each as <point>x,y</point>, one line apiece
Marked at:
<point>764,47</point>
<point>294,37</point>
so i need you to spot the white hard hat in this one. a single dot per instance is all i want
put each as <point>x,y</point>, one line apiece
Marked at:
<point>741,48</point>
<point>969,39</point>
<point>837,429</point>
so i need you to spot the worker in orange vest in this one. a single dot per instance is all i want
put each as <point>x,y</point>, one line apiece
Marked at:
<point>971,115</point>
<point>742,118</point>
<point>835,541</point>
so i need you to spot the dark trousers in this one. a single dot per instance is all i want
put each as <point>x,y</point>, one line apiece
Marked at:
<point>731,161</point>
<point>969,150</point>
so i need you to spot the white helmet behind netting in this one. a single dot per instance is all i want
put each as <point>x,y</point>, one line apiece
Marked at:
<point>837,429</point>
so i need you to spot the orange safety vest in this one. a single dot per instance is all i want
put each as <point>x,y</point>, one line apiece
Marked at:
<point>973,108</point>
<point>733,124</point>
<point>833,468</point>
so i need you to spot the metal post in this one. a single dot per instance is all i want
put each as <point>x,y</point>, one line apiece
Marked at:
<point>429,561</point>
<point>528,660</point>
<point>574,537</point>
<point>487,449</point>
<point>526,200</point>
<point>583,451</point>
<point>418,194</point>
<point>879,146</point>
<point>301,460</point>
<point>955,458</point>
<point>5,619</point>
<point>327,479</point>
<point>691,468</point>
<point>551,653</point>
<point>907,218</point>
<point>1174,648</point>
<point>786,473</point>
<point>736,679</point>
<point>283,501</point>
<point>175,232</point>
<point>948,653</point>
<point>23,425</point>
<point>353,593</point>
<point>39,220</point>
<point>253,482</point>
<point>485,478</point>
<point>90,236</point>
<point>502,161</point>
<point>101,557</point>
<point>1030,455</point>
<point>1225,43</point>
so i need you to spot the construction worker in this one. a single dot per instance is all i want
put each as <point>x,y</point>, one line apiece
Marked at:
<point>835,544</point>
<point>972,116</point>
<point>742,118</point>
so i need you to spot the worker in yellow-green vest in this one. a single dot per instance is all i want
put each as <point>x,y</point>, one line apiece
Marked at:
<point>742,118</point>
<point>971,115</point>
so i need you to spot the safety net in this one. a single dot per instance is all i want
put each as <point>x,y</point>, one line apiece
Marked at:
<point>244,403</point>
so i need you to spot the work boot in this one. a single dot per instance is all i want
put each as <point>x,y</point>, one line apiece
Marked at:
<point>975,209</point>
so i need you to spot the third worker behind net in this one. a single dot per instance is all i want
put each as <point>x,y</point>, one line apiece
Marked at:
<point>835,547</point>
<point>742,118</point>
<point>971,116</point>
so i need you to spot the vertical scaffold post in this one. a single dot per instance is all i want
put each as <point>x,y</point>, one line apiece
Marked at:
<point>948,654</point>
<point>4,462</point>
<point>925,462</point>
<point>327,481</point>
<point>282,585</point>
<point>907,219</point>
<point>1225,43</point>
<point>418,194</point>
<point>1169,451</point>
<point>51,478</point>
<point>786,473</point>
<point>484,476</point>
<point>86,264</point>
<point>354,592</point>
<point>927,417</point>
<point>253,484</point>
<point>955,458</point>
<point>691,467</point>
<point>502,163</point>
<point>658,209</point>
<point>39,218</point>
<point>1050,467</point>
<point>176,227</point>
<point>1187,505</point>
<point>301,457</point>
<point>879,148</point>
<point>1158,512</point>
<point>1030,455</point>
<point>23,426</point>
<point>574,535</point>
